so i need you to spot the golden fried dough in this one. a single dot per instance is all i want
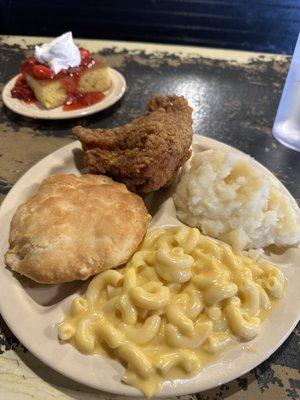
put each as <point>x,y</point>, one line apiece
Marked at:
<point>74,227</point>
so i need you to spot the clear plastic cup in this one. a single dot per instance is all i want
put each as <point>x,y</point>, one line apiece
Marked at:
<point>286,128</point>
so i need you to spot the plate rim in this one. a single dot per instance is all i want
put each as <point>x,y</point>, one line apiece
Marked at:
<point>133,392</point>
<point>24,111</point>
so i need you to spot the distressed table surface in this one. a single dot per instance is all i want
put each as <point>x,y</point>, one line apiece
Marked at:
<point>235,97</point>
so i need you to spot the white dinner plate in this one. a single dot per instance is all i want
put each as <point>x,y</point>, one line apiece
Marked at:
<point>35,110</point>
<point>33,311</point>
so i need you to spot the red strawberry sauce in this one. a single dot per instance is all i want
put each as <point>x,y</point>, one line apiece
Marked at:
<point>70,78</point>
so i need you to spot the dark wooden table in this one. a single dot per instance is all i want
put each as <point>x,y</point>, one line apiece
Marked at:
<point>235,96</point>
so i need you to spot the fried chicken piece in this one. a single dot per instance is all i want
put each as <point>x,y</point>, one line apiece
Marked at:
<point>146,153</point>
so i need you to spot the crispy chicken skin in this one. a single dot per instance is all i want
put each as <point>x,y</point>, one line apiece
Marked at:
<point>146,153</point>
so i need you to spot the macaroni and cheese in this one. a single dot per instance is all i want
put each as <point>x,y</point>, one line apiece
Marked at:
<point>179,301</point>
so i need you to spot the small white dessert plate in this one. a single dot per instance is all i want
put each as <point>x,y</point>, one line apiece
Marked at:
<point>33,311</point>
<point>35,110</point>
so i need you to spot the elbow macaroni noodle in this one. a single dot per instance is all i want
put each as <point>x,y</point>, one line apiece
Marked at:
<point>179,301</point>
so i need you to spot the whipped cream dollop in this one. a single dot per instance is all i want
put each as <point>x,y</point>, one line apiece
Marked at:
<point>59,54</point>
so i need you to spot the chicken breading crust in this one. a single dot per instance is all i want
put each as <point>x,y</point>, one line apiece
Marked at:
<point>146,153</point>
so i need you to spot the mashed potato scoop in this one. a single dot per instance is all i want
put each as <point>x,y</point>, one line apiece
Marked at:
<point>227,197</point>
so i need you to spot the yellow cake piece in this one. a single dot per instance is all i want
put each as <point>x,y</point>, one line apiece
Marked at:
<point>95,80</point>
<point>52,93</point>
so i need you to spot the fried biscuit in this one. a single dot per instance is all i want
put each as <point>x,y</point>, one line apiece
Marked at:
<point>74,227</point>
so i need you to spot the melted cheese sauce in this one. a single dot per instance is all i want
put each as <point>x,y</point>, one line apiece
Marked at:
<point>178,303</point>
